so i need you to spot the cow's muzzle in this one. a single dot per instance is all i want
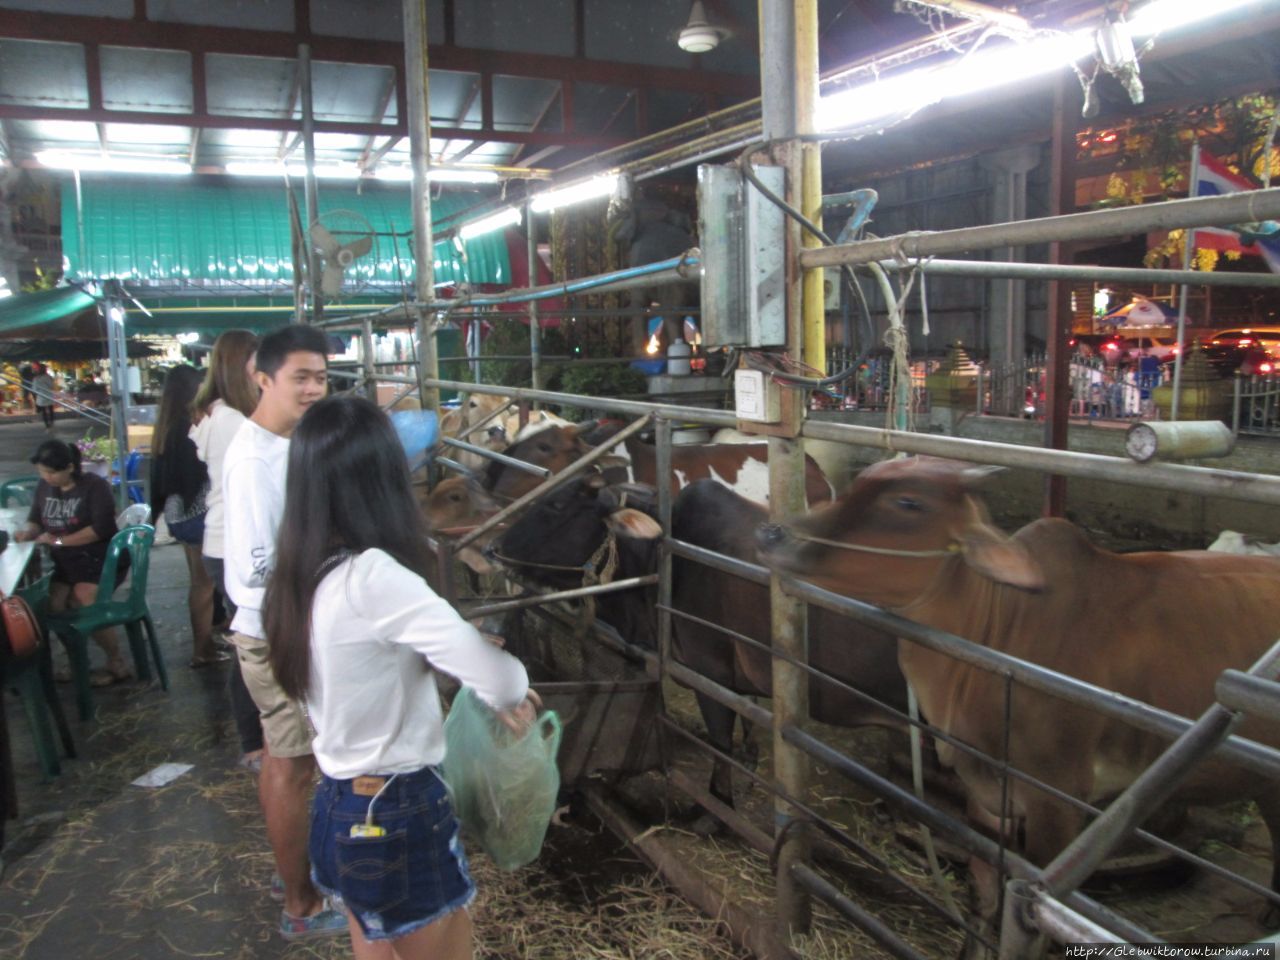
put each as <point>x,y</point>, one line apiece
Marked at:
<point>770,535</point>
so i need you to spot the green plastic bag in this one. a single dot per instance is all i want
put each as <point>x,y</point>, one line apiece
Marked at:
<point>504,788</point>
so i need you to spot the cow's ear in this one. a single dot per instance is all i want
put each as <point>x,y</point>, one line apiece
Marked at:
<point>475,560</point>
<point>1000,558</point>
<point>583,428</point>
<point>629,522</point>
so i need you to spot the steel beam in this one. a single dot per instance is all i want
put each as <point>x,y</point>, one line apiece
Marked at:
<point>154,35</point>
<point>1097,224</point>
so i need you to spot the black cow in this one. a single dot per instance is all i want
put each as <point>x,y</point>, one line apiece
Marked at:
<point>568,528</point>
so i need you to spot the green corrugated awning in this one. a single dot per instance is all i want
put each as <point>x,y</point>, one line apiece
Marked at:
<point>203,230</point>
<point>62,312</point>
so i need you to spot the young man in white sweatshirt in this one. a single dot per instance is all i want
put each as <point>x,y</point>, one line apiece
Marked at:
<point>292,371</point>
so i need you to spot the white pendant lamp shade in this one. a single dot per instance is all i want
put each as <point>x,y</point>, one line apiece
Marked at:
<point>698,36</point>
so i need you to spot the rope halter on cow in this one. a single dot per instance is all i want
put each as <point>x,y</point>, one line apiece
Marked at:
<point>607,551</point>
<point>950,550</point>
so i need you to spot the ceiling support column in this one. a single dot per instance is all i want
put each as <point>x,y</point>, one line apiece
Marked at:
<point>1007,311</point>
<point>419,123</point>
<point>310,192</point>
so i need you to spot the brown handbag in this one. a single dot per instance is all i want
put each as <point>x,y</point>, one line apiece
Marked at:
<point>21,628</point>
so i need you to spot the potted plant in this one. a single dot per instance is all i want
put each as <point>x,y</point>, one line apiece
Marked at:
<point>96,454</point>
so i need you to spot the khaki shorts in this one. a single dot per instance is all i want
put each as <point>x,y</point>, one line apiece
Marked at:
<point>285,726</point>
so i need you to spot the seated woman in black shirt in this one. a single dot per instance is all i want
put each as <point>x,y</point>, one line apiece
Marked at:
<point>74,513</point>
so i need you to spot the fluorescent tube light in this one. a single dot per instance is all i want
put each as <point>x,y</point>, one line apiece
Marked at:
<point>332,171</point>
<point>599,186</point>
<point>459,175</point>
<point>97,163</point>
<point>495,221</point>
<point>404,174</point>
<point>903,94</point>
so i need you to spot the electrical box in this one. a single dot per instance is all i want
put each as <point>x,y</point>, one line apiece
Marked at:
<point>742,238</point>
<point>756,397</point>
<point>831,289</point>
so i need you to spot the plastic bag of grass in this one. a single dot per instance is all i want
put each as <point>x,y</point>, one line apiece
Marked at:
<point>504,787</point>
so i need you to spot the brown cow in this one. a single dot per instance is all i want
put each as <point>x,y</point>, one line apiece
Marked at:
<point>456,504</point>
<point>743,468</point>
<point>1159,627</point>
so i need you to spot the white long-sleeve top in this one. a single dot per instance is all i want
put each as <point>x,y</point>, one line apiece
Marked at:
<point>378,636</point>
<point>253,474</point>
<point>212,435</point>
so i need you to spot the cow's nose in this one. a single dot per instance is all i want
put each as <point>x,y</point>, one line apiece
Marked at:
<point>490,552</point>
<point>770,535</point>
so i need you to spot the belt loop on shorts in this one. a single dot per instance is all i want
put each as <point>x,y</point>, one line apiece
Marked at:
<point>367,786</point>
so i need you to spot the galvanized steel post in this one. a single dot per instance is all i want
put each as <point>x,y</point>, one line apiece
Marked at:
<point>788,70</point>
<point>662,443</point>
<point>535,334</point>
<point>367,358</point>
<point>310,191</point>
<point>415,74</point>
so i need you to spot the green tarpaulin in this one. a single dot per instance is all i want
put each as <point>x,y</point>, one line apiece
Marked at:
<point>194,231</point>
<point>63,312</point>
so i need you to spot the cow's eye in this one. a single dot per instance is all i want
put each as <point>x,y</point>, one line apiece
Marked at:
<point>910,503</point>
<point>544,448</point>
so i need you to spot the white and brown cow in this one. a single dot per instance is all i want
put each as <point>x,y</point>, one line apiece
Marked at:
<point>1159,627</point>
<point>497,435</point>
<point>743,468</point>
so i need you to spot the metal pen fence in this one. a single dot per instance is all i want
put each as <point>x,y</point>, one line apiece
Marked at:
<point>1099,390</point>
<point>1256,407</point>
<point>788,719</point>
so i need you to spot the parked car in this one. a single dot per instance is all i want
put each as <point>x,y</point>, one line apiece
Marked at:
<point>1266,337</point>
<point>1251,360</point>
<point>1163,349</point>
<point>1105,345</point>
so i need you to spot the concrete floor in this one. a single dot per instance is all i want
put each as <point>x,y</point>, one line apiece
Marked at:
<point>97,867</point>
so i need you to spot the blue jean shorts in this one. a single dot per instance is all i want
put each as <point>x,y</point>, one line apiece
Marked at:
<point>399,882</point>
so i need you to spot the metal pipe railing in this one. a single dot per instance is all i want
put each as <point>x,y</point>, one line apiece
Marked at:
<point>89,413</point>
<point>959,833</point>
<point>1203,481</point>
<point>1086,852</point>
<point>1256,757</point>
<point>1096,224</point>
<point>634,408</point>
<point>1256,696</point>
<point>577,592</point>
<point>1057,271</point>
<point>865,921</point>
<point>1029,913</point>
<point>494,455</point>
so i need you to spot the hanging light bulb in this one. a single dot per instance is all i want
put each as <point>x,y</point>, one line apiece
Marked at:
<point>698,36</point>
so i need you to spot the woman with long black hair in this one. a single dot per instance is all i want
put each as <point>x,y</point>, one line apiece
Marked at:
<point>357,636</point>
<point>179,487</point>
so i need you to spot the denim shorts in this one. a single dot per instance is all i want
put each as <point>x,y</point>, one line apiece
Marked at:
<point>190,531</point>
<point>397,883</point>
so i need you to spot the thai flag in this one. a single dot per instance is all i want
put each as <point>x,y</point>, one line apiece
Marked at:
<point>1213,179</point>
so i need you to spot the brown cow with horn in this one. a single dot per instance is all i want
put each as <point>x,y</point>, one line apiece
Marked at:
<point>911,535</point>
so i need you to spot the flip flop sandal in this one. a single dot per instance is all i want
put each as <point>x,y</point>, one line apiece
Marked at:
<point>105,678</point>
<point>199,663</point>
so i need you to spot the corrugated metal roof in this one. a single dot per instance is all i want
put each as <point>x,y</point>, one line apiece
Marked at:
<point>180,233</point>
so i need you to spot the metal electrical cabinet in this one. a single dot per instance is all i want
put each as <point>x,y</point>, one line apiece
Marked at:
<point>742,237</point>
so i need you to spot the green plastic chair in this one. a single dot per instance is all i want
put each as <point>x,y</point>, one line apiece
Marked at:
<point>22,490</point>
<point>32,679</point>
<point>75,626</point>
